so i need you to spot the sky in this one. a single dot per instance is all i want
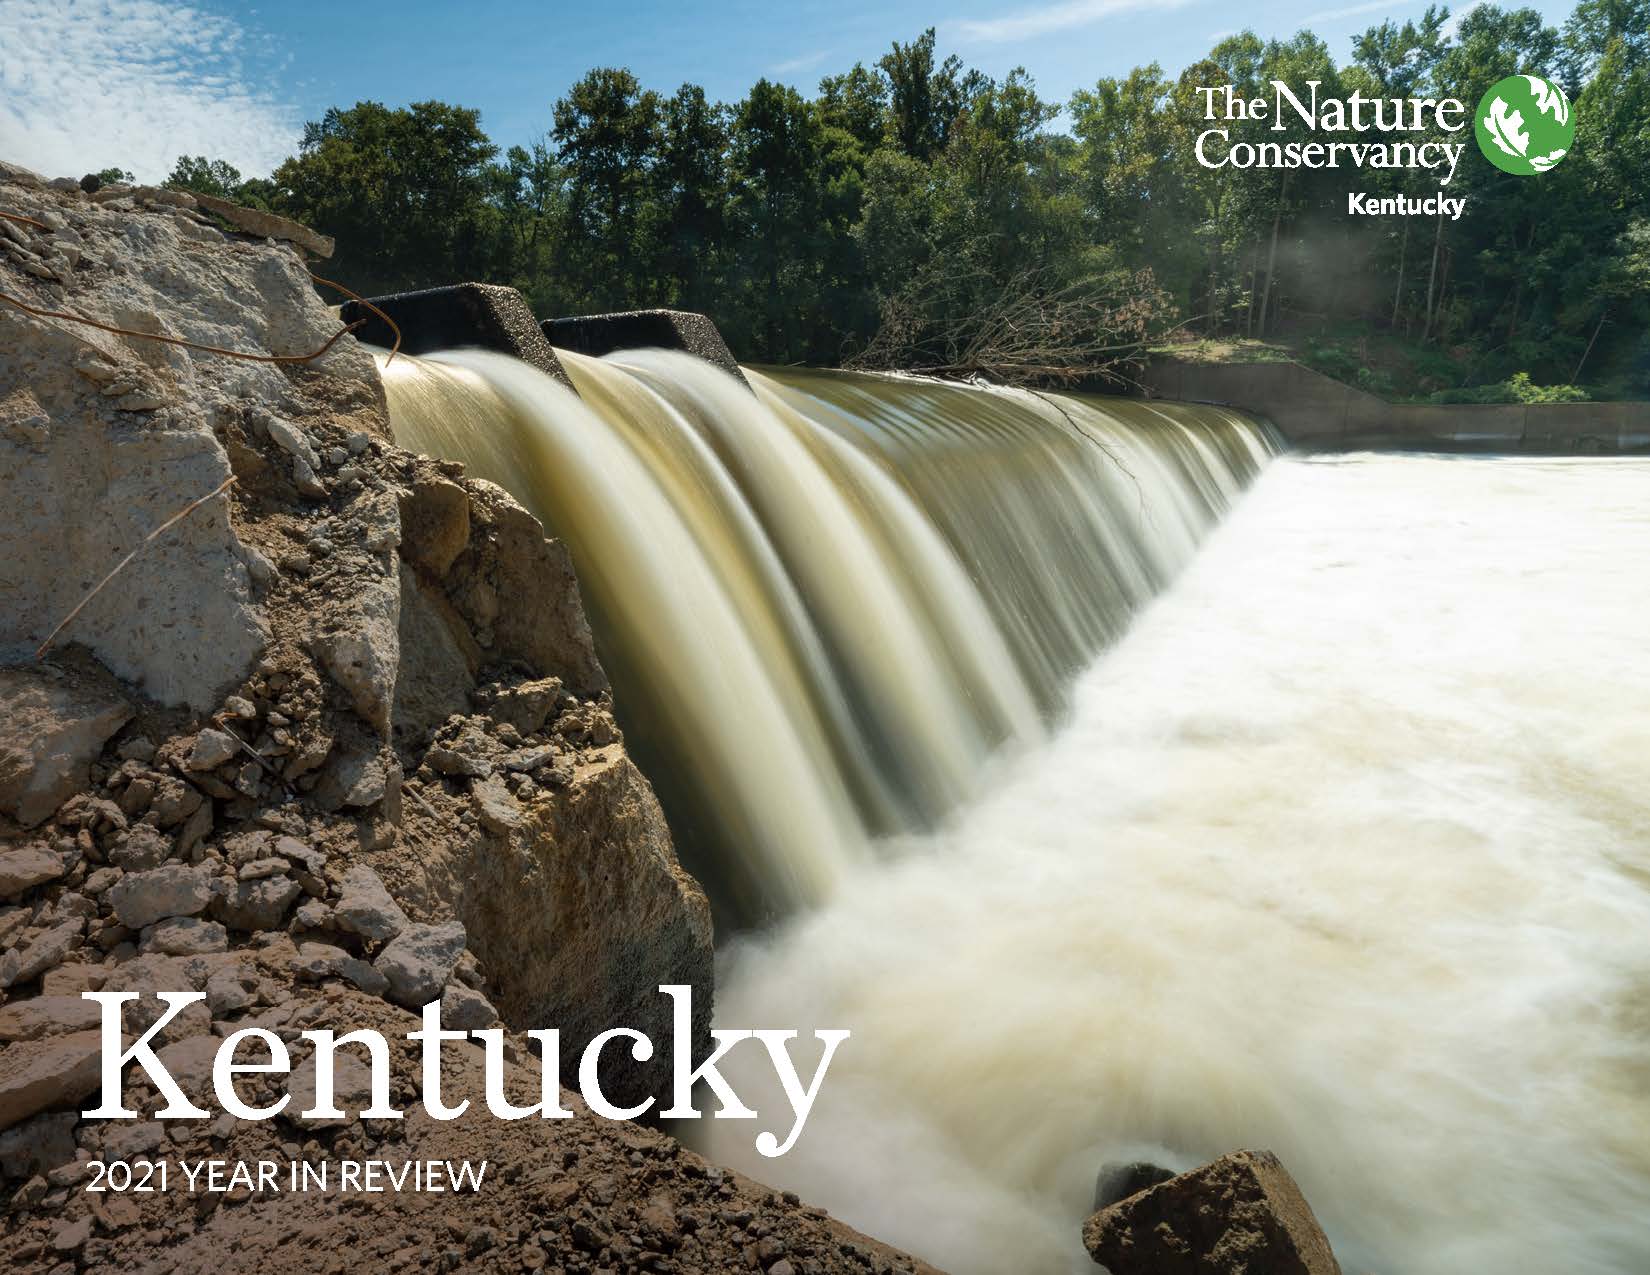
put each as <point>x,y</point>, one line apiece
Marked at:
<point>91,84</point>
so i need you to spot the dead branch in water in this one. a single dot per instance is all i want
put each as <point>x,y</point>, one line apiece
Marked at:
<point>121,565</point>
<point>1030,329</point>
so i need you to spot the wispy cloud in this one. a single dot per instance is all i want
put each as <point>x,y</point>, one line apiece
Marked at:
<point>806,62</point>
<point>1353,11</point>
<point>1024,24</point>
<point>1452,27</point>
<point>89,84</point>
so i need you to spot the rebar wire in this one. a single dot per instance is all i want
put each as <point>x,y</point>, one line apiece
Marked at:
<point>356,296</point>
<point>177,340</point>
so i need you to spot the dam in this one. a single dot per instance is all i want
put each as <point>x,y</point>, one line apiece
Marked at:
<point>1136,787</point>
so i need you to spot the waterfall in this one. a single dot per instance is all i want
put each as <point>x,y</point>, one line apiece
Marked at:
<point>1337,850</point>
<point>830,602</point>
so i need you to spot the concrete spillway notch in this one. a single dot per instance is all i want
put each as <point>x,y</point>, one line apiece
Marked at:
<point>599,334</point>
<point>465,314</point>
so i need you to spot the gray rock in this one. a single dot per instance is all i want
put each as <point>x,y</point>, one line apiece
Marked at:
<point>140,848</point>
<point>42,1074</point>
<point>99,881</point>
<point>212,748</point>
<point>140,899</point>
<point>26,867</point>
<point>312,914</point>
<point>465,1009</point>
<point>362,653</point>
<point>50,727</point>
<point>323,960</point>
<point>71,1237</point>
<point>43,1016</point>
<point>184,936</point>
<point>254,905</point>
<point>258,869</point>
<point>230,990</point>
<point>498,811</point>
<point>181,620</point>
<point>266,225</point>
<point>127,1141</point>
<point>530,759</point>
<point>450,761</point>
<point>45,953</point>
<point>305,856</point>
<point>529,705</point>
<point>151,973</point>
<point>365,907</point>
<point>420,961</point>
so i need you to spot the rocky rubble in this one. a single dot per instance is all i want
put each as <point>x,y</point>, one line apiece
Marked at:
<point>335,745</point>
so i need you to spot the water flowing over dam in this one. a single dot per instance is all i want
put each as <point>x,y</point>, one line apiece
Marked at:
<point>1328,836</point>
<point>829,604</point>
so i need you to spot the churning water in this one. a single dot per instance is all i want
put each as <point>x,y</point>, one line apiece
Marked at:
<point>1344,852</point>
<point>1341,849</point>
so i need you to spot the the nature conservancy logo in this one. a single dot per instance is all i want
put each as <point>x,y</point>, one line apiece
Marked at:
<point>1525,125</point>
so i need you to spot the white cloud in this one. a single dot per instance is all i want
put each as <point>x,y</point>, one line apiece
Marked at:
<point>1452,28</point>
<point>792,65</point>
<point>90,84</point>
<point>1352,11</point>
<point>1027,23</point>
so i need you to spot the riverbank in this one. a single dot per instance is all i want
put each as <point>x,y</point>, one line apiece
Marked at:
<point>335,746</point>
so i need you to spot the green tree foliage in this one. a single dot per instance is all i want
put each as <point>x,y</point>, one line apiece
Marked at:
<point>409,193</point>
<point>204,176</point>
<point>913,203</point>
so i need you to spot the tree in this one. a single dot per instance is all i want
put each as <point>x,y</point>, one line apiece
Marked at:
<point>404,192</point>
<point>607,132</point>
<point>689,199</point>
<point>923,99</point>
<point>777,149</point>
<point>204,176</point>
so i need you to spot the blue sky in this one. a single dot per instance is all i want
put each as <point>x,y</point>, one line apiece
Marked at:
<point>90,83</point>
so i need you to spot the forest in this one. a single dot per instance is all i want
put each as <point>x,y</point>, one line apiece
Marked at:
<point>918,213</point>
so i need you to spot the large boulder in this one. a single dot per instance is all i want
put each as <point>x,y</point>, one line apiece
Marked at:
<point>1239,1215</point>
<point>52,724</point>
<point>105,437</point>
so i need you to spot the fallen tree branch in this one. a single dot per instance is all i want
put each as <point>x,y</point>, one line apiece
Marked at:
<point>1028,328</point>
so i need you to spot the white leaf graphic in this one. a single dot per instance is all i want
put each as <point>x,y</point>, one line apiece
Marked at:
<point>1506,128</point>
<point>1549,98</point>
<point>1541,163</point>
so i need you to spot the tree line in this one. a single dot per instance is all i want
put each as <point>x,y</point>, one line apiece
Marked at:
<point>916,212</point>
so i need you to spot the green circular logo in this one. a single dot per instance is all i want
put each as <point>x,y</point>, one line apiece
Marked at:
<point>1524,125</point>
